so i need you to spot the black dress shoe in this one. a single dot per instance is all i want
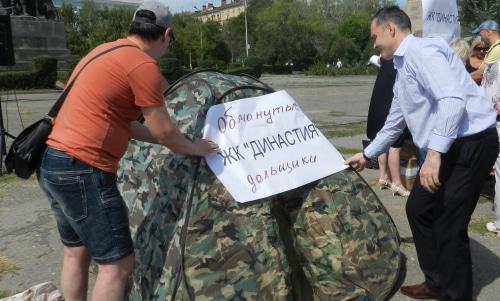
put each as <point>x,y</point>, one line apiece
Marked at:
<point>421,291</point>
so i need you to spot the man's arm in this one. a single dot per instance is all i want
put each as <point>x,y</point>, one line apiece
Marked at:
<point>478,74</point>
<point>141,132</point>
<point>161,130</point>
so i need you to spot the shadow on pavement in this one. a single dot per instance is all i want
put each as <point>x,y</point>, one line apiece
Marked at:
<point>486,266</point>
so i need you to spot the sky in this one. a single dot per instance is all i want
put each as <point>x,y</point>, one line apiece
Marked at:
<point>188,5</point>
<point>177,6</point>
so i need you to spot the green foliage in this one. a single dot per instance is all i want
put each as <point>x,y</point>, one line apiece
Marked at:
<point>43,75</point>
<point>171,68</point>
<point>90,26</point>
<point>354,69</point>
<point>276,69</point>
<point>283,35</point>
<point>280,32</point>
<point>46,71</point>
<point>233,32</point>
<point>206,64</point>
<point>199,44</point>
<point>474,12</point>
<point>255,64</point>
<point>287,31</point>
<point>244,70</point>
<point>188,42</point>
<point>355,31</point>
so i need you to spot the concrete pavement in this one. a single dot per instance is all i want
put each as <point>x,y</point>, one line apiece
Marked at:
<point>28,235</point>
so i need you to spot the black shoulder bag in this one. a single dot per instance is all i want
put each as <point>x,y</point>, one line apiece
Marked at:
<point>25,153</point>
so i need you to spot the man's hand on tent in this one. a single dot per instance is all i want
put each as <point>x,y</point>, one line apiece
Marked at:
<point>357,161</point>
<point>205,147</point>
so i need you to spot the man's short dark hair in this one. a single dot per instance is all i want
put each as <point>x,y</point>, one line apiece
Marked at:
<point>393,14</point>
<point>147,31</point>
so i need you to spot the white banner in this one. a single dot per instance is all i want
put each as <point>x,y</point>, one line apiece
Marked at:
<point>440,18</point>
<point>267,146</point>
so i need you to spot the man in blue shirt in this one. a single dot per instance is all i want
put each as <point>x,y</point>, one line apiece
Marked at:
<point>449,116</point>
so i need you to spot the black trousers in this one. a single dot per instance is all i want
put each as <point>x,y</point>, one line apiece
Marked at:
<point>439,221</point>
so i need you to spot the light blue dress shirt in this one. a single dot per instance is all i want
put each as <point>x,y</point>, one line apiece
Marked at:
<point>434,96</point>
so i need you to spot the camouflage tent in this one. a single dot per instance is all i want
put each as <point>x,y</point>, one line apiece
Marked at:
<point>328,240</point>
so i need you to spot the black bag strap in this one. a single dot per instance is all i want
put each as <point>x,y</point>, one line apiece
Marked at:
<point>57,106</point>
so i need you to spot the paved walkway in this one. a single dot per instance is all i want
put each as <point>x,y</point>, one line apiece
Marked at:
<point>30,251</point>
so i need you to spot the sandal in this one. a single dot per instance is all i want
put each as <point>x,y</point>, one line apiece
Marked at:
<point>399,190</point>
<point>384,184</point>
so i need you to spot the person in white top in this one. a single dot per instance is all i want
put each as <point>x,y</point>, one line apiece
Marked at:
<point>489,32</point>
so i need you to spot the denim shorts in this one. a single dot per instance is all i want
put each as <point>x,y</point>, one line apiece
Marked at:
<point>87,205</point>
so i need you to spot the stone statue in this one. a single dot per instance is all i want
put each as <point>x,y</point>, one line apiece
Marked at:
<point>25,7</point>
<point>5,4</point>
<point>46,8</point>
<point>34,8</point>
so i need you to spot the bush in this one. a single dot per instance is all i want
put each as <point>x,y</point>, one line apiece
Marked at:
<point>233,65</point>
<point>43,76</point>
<point>276,69</point>
<point>172,69</point>
<point>247,70</point>
<point>46,69</point>
<point>64,74</point>
<point>255,63</point>
<point>203,64</point>
<point>355,69</point>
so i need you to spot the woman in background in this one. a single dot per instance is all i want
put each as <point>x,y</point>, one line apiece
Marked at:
<point>478,52</point>
<point>380,105</point>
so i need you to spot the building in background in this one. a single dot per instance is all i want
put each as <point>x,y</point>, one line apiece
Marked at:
<point>226,11</point>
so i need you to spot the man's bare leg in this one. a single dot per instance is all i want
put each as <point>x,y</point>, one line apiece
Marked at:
<point>112,279</point>
<point>75,272</point>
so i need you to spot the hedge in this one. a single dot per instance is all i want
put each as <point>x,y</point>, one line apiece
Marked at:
<point>246,70</point>
<point>356,69</point>
<point>276,69</point>
<point>43,76</point>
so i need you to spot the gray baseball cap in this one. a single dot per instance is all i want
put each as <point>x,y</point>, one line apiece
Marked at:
<point>163,16</point>
<point>488,24</point>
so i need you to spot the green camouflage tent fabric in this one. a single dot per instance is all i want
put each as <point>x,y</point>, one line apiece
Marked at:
<point>328,240</point>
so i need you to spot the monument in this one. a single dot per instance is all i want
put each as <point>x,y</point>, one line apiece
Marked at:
<point>413,9</point>
<point>35,30</point>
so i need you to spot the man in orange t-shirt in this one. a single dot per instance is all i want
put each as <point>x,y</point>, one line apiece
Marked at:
<point>90,135</point>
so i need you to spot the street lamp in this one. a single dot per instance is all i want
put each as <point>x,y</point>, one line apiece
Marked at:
<point>201,33</point>
<point>246,30</point>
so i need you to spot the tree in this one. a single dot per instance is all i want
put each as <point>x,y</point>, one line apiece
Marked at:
<point>282,34</point>
<point>89,27</point>
<point>473,12</point>
<point>233,31</point>
<point>187,46</point>
<point>355,31</point>
<point>215,49</point>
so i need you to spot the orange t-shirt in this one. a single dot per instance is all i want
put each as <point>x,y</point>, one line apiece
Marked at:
<point>93,124</point>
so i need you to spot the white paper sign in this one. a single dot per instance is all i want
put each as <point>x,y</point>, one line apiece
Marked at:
<point>440,18</point>
<point>267,146</point>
